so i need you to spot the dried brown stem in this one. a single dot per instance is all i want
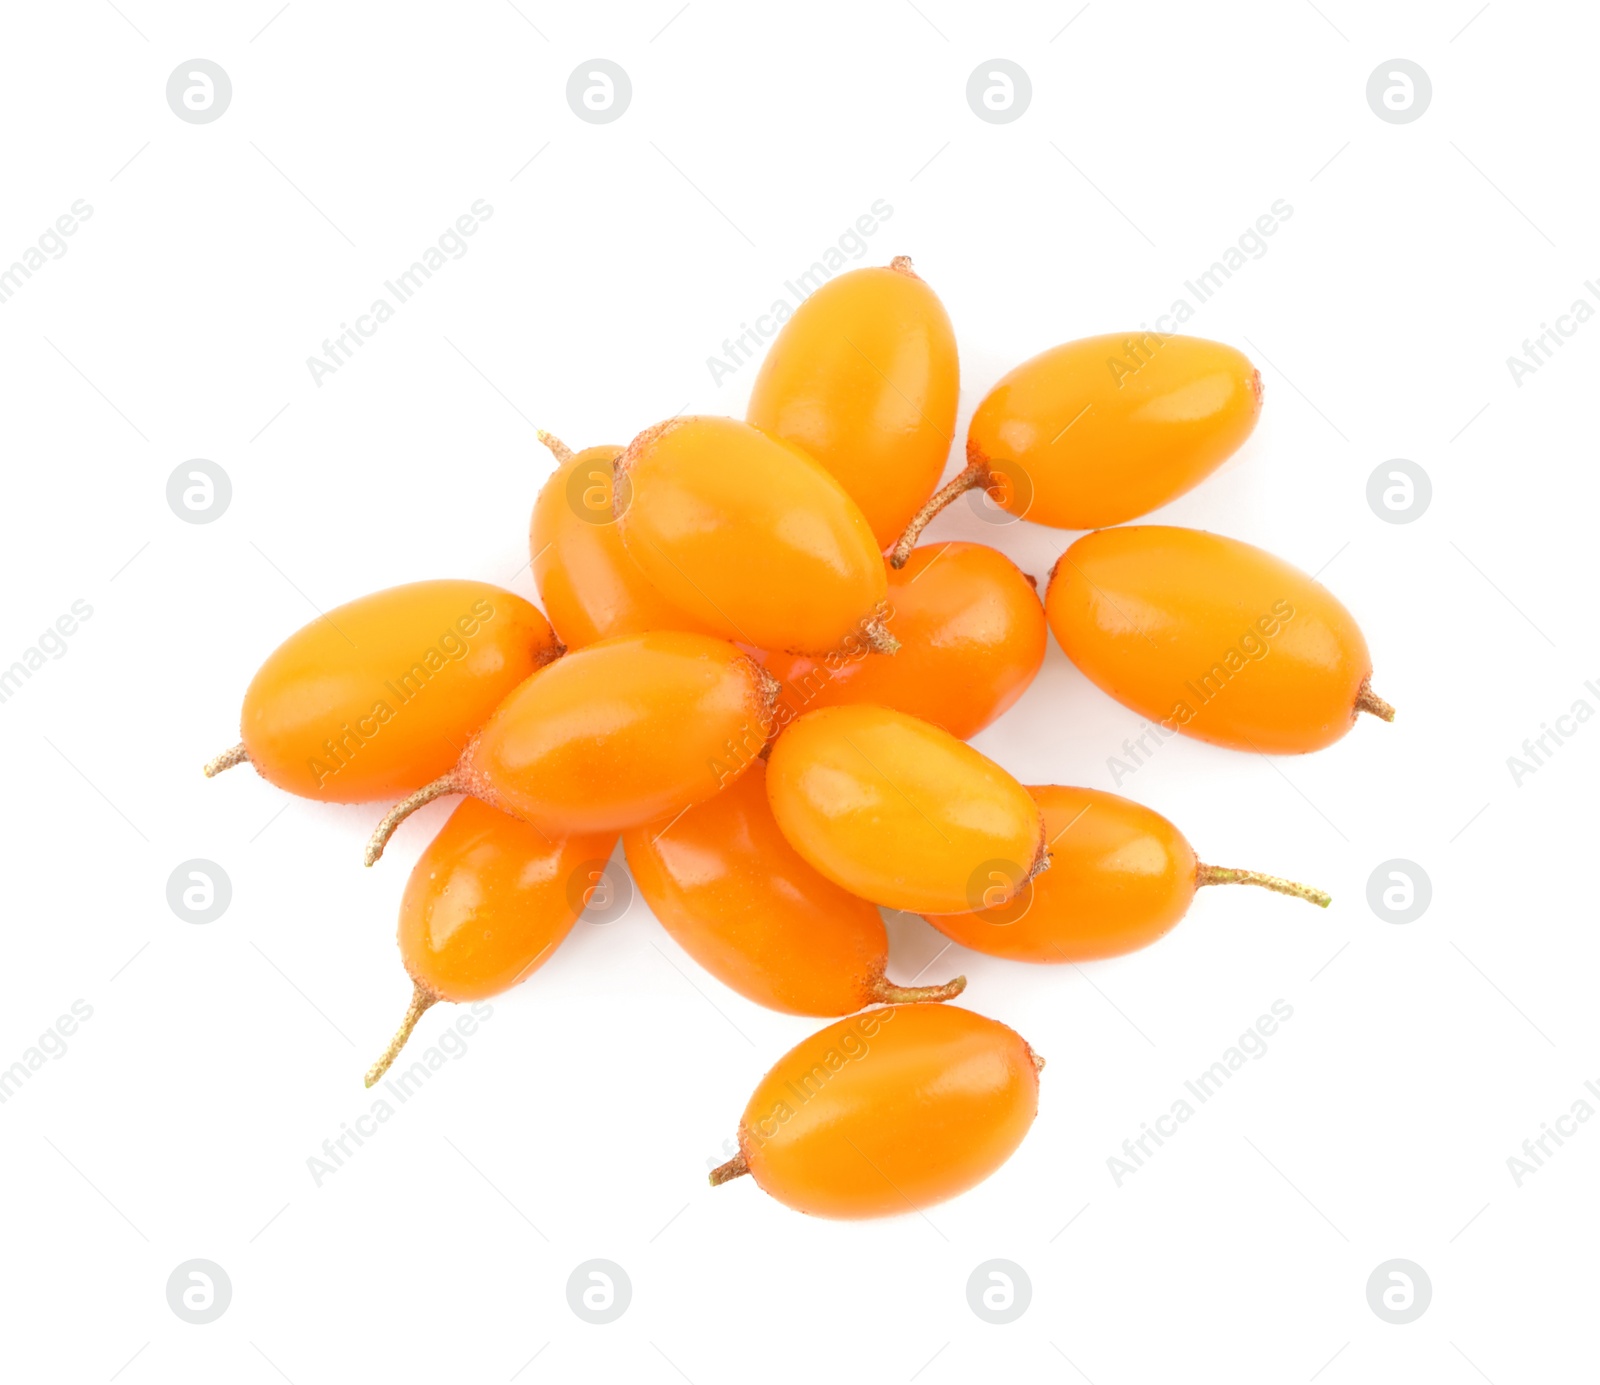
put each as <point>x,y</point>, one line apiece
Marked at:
<point>227,760</point>
<point>901,264</point>
<point>736,1167</point>
<point>444,784</point>
<point>884,991</point>
<point>877,637</point>
<point>1224,875</point>
<point>1369,701</point>
<point>559,449</point>
<point>422,999</point>
<point>976,476</point>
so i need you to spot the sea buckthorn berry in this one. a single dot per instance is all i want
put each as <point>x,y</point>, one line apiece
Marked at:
<point>744,904</point>
<point>1212,637</point>
<point>888,1112</point>
<point>376,697</point>
<point>751,537</point>
<point>487,903</point>
<point>902,813</point>
<point>1120,877</point>
<point>864,378</point>
<point>972,636</point>
<point>623,732</point>
<point>1103,430</point>
<point>590,587</point>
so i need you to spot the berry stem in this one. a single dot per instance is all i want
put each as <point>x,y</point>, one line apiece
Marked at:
<point>422,999</point>
<point>736,1167</point>
<point>227,760</point>
<point>444,784</point>
<point>1369,701</point>
<point>976,476</point>
<point>559,449</point>
<point>878,638</point>
<point>1224,875</point>
<point>883,990</point>
<point>901,264</point>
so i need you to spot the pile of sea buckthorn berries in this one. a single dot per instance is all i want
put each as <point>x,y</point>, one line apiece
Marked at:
<point>748,670</point>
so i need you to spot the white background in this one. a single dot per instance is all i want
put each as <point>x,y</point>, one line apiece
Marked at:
<point>581,1119</point>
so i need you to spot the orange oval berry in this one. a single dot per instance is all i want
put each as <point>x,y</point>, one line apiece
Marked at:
<point>864,378</point>
<point>899,812</point>
<point>622,732</point>
<point>1212,637</point>
<point>487,903</point>
<point>1120,877</point>
<point>590,587</point>
<point>1103,430</point>
<point>889,1111</point>
<point>972,638</point>
<point>750,536</point>
<point>377,697</point>
<point>745,905</point>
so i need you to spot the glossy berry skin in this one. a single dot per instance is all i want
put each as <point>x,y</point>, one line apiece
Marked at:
<point>899,812</point>
<point>864,378</point>
<point>972,637</point>
<point>1120,877</point>
<point>490,899</point>
<point>625,731</point>
<point>889,1111</point>
<point>590,587</point>
<point>377,697</point>
<point>743,903</point>
<point>1103,430</point>
<point>749,536</point>
<point>1211,637</point>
